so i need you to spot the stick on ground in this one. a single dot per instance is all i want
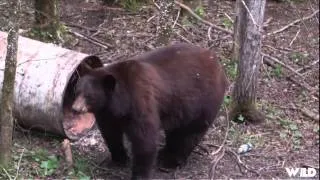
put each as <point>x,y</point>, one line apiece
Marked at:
<point>200,19</point>
<point>293,23</point>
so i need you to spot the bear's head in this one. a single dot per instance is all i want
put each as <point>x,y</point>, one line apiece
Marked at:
<point>93,93</point>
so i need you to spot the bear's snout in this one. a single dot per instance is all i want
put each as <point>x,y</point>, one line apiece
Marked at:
<point>80,105</point>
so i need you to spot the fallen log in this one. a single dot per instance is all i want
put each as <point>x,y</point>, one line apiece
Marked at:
<point>45,79</point>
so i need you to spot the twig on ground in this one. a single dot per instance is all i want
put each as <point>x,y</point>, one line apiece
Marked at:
<point>242,163</point>
<point>18,166</point>
<point>295,37</point>
<point>200,19</point>
<point>281,49</point>
<point>81,27</point>
<point>99,29</point>
<point>216,160</point>
<point>155,4</point>
<point>303,110</point>
<point>92,40</point>
<point>302,84</point>
<point>209,33</point>
<point>66,148</point>
<point>308,66</point>
<point>239,162</point>
<point>281,63</point>
<point>151,18</point>
<point>266,23</point>
<point>175,22</point>
<point>229,17</point>
<point>183,38</point>
<point>293,23</point>
<point>310,114</point>
<point>6,172</point>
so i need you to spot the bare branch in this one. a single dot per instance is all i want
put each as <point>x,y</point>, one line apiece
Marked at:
<point>281,63</point>
<point>295,37</point>
<point>293,23</point>
<point>92,40</point>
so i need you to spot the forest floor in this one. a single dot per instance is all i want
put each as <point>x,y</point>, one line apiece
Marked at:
<point>288,94</point>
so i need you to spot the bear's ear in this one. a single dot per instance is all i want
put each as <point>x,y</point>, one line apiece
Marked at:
<point>83,68</point>
<point>89,63</point>
<point>109,82</point>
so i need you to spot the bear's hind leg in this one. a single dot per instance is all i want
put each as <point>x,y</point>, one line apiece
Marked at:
<point>180,143</point>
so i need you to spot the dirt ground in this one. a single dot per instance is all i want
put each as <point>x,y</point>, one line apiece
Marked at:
<point>288,138</point>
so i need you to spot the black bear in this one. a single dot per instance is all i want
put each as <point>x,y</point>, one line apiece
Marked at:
<point>178,89</point>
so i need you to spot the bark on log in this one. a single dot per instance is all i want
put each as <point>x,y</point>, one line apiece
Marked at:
<point>248,29</point>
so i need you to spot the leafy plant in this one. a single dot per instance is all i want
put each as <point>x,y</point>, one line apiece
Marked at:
<point>47,163</point>
<point>81,169</point>
<point>277,71</point>
<point>298,56</point>
<point>231,67</point>
<point>227,100</point>
<point>50,165</point>
<point>240,118</point>
<point>227,23</point>
<point>200,11</point>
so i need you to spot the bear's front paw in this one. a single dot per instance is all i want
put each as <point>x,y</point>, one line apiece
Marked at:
<point>169,160</point>
<point>120,160</point>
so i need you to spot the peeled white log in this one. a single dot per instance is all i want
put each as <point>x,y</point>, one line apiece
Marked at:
<point>43,73</point>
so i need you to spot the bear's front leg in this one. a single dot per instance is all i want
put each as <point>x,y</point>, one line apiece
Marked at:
<point>112,134</point>
<point>143,136</point>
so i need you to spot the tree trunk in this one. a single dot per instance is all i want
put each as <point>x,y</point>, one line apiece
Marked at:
<point>6,102</point>
<point>164,24</point>
<point>247,48</point>
<point>47,17</point>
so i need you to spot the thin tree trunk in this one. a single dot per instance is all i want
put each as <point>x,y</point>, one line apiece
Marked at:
<point>247,48</point>
<point>164,24</point>
<point>47,17</point>
<point>6,102</point>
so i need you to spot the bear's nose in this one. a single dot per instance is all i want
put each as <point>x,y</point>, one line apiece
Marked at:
<point>80,105</point>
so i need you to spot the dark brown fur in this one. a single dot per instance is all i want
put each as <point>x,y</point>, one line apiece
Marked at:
<point>178,88</point>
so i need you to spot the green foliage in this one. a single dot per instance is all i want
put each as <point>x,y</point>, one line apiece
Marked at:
<point>277,71</point>
<point>227,23</point>
<point>49,165</point>
<point>49,35</point>
<point>200,11</point>
<point>81,169</point>
<point>46,162</point>
<point>227,100</point>
<point>132,5</point>
<point>231,68</point>
<point>240,118</point>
